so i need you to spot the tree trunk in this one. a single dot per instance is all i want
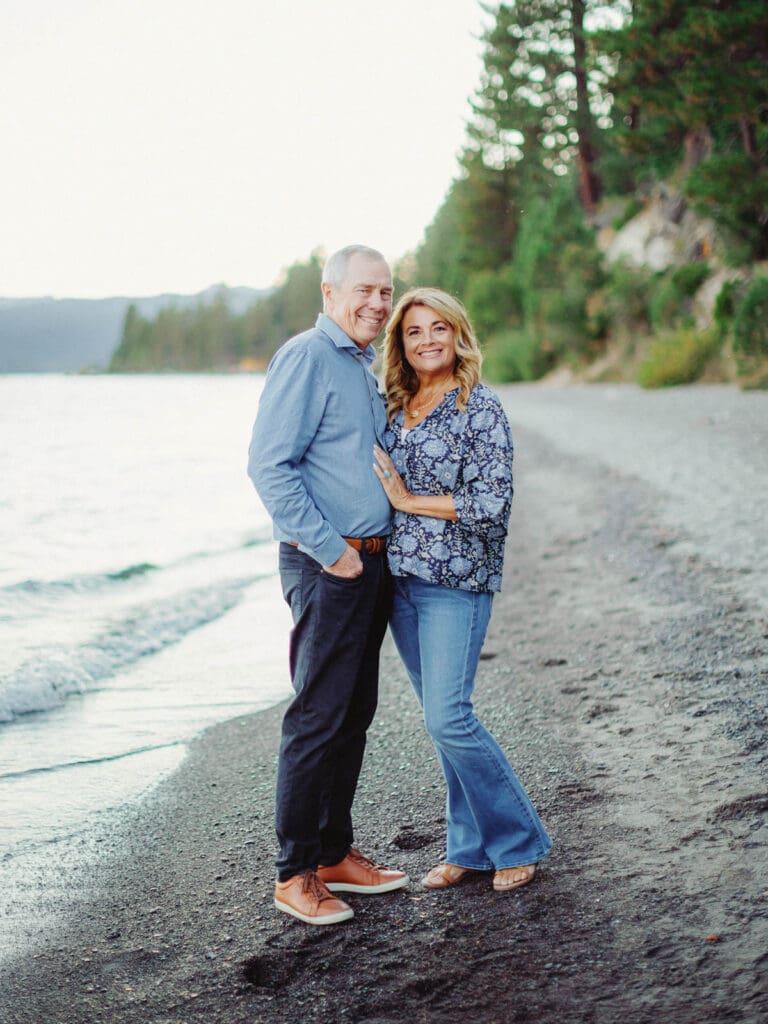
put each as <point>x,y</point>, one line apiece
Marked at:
<point>589,183</point>
<point>698,146</point>
<point>749,138</point>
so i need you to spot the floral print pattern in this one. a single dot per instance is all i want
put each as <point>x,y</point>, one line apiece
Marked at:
<point>467,455</point>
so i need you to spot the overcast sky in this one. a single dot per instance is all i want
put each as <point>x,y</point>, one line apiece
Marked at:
<point>166,145</point>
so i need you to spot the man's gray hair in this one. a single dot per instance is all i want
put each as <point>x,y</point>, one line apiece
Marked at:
<point>335,269</point>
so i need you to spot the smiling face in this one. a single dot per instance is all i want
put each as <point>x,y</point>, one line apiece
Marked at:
<point>429,342</point>
<point>361,304</point>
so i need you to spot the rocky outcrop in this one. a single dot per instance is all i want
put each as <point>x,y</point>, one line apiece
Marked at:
<point>666,233</point>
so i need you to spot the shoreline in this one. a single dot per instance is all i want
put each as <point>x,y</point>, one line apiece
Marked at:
<point>603,678</point>
<point>99,751</point>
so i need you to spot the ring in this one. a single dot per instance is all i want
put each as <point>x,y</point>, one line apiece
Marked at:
<point>387,474</point>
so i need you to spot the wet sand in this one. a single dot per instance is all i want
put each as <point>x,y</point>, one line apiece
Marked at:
<point>624,673</point>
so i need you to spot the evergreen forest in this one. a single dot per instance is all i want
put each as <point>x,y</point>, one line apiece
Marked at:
<point>609,215</point>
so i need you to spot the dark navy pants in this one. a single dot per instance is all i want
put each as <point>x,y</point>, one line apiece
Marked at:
<point>334,659</point>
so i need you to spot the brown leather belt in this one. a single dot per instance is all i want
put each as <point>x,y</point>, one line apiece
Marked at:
<point>371,545</point>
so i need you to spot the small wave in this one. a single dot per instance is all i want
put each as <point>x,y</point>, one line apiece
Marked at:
<point>77,584</point>
<point>45,681</point>
<point>133,570</point>
<point>106,759</point>
<point>257,541</point>
<point>88,582</point>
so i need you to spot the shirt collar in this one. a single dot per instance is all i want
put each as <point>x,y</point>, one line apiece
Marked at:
<point>341,339</point>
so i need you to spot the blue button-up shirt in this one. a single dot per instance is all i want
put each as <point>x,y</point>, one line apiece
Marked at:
<point>311,453</point>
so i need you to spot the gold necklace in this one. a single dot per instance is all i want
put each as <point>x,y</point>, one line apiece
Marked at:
<point>415,411</point>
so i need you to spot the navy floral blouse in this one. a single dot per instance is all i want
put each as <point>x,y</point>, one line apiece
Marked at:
<point>467,455</point>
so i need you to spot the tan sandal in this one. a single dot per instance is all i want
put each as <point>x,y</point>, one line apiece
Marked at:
<point>507,879</point>
<point>444,875</point>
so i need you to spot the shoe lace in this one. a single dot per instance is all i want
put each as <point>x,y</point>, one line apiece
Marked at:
<point>362,859</point>
<point>313,886</point>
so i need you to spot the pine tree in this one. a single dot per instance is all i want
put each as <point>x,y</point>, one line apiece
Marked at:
<point>474,228</point>
<point>535,102</point>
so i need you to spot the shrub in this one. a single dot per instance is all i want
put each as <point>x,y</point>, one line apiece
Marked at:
<point>556,265</point>
<point>690,277</point>
<point>728,188</point>
<point>750,321</point>
<point>598,323</point>
<point>563,301</point>
<point>725,305</point>
<point>677,357</point>
<point>633,207</point>
<point>493,300</point>
<point>623,301</point>
<point>671,300</point>
<point>515,355</point>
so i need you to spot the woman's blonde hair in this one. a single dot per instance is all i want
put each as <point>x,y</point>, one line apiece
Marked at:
<point>400,380</point>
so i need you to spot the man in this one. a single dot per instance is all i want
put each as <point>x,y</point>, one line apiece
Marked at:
<point>311,458</point>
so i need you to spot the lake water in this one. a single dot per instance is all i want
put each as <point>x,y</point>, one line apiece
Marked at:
<point>139,597</point>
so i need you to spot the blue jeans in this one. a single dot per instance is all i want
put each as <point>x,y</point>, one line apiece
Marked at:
<point>439,632</point>
<point>334,659</point>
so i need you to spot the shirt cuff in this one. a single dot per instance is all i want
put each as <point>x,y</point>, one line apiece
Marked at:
<point>330,551</point>
<point>460,502</point>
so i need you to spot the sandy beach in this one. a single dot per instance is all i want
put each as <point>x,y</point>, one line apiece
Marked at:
<point>625,675</point>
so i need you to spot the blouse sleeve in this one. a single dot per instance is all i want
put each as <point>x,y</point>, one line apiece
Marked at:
<point>483,499</point>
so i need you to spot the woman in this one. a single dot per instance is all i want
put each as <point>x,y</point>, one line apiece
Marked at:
<point>448,475</point>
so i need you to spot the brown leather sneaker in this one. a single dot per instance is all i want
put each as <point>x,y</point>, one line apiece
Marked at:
<point>304,896</point>
<point>358,874</point>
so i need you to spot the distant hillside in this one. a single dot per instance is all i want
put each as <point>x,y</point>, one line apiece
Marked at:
<point>68,335</point>
<point>215,338</point>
